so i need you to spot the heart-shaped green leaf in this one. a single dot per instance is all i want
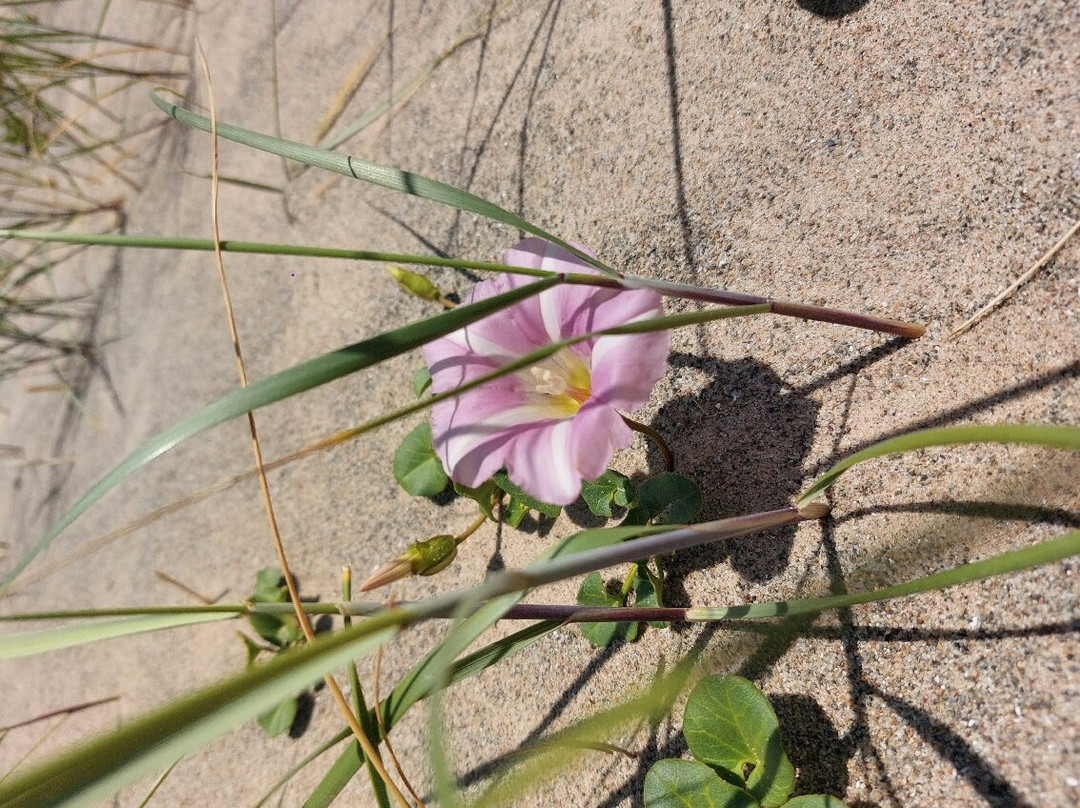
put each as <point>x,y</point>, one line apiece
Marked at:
<point>483,495</point>
<point>649,592</point>
<point>416,466</point>
<point>270,586</point>
<point>521,503</point>
<point>814,801</point>
<point>594,592</point>
<point>278,720</point>
<point>421,381</point>
<point>674,783</point>
<point>730,725</point>
<point>610,488</point>
<point>667,498</point>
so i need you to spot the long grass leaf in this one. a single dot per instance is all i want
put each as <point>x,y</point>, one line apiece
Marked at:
<point>385,176</point>
<point>686,291</point>
<point>94,771</point>
<point>437,670</point>
<point>337,777</point>
<point>281,385</point>
<point>1045,552</point>
<point>564,748</point>
<point>27,643</point>
<point>1062,437</point>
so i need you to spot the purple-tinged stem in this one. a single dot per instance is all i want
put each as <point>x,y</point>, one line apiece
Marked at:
<point>782,307</point>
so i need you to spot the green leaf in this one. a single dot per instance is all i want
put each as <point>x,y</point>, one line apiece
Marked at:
<point>610,488</point>
<point>730,725</point>
<point>278,630</point>
<point>416,466</point>
<point>281,385</point>
<point>337,777</point>
<point>483,496</point>
<point>814,801</point>
<point>278,720</point>
<point>385,176</point>
<point>648,592</point>
<point>13,646</point>
<point>1045,552</point>
<point>1063,437</point>
<point>252,647</point>
<point>594,592</point>
<point>515,511</point>
<point>94,771</point>
<point>270,586</point>
<point>673,783</point>
<point>666,499</point>
<point>521,503</point>
<point>421,381</point>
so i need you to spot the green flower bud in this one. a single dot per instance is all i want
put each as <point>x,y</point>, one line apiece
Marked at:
<point>414,283</point>
<point>422,558</point>
<point>433,555</point>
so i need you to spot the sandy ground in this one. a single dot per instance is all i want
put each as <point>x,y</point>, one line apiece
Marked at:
<point>908,159</point>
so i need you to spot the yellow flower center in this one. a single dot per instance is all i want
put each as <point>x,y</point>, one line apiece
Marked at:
<point>560,384</point>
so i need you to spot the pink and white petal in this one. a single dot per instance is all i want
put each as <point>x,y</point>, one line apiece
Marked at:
<point>472,434</point>
<point>596,433</point>
<point>568,309</point>
<point>540,461</point>
<point>559,306</point>
<point>607,308</point>
<point>550,461</point>
<point>626,368</point>
<point>537,253</point>
<point>477,465</point>
<point>619,307</point>
<point>511,332</point>
<point>450,366</point>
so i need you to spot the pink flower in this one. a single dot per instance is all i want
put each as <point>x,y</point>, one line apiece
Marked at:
<point>555,423</point>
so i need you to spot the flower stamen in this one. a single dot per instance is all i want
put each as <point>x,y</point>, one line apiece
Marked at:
<point>561,382</point>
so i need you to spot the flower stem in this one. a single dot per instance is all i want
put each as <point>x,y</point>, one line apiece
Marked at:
<point>471,529</point>
<point>628,582</point>
<point>656,437</point>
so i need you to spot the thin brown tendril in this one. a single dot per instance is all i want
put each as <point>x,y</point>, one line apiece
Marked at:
<point>655,437</point>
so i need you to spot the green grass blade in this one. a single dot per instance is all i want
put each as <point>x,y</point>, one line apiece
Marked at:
<point>396,705</point>
<point>281,385</point>
<point>563,749</point>
<point>337,777</point>
<point>13,646</point>
<point>437,669</point>
<point>94,771</point>
<point>1062,437</point>
<point>385,176</point>
<point>1045,552</point>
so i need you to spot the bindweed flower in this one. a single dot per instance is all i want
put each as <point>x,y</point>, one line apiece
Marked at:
<point>557,422</point>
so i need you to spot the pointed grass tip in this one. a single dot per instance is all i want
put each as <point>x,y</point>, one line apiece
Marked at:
<point>814,510</point>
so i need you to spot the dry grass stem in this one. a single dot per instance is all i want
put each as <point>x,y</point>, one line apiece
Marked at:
<point>1047,257</point>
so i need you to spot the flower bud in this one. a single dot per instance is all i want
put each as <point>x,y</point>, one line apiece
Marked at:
<point>414,283</point>
<point>422,558</point>
<point>433,555</point>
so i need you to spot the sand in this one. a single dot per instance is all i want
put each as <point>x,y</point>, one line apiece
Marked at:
<point>906,159</point>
